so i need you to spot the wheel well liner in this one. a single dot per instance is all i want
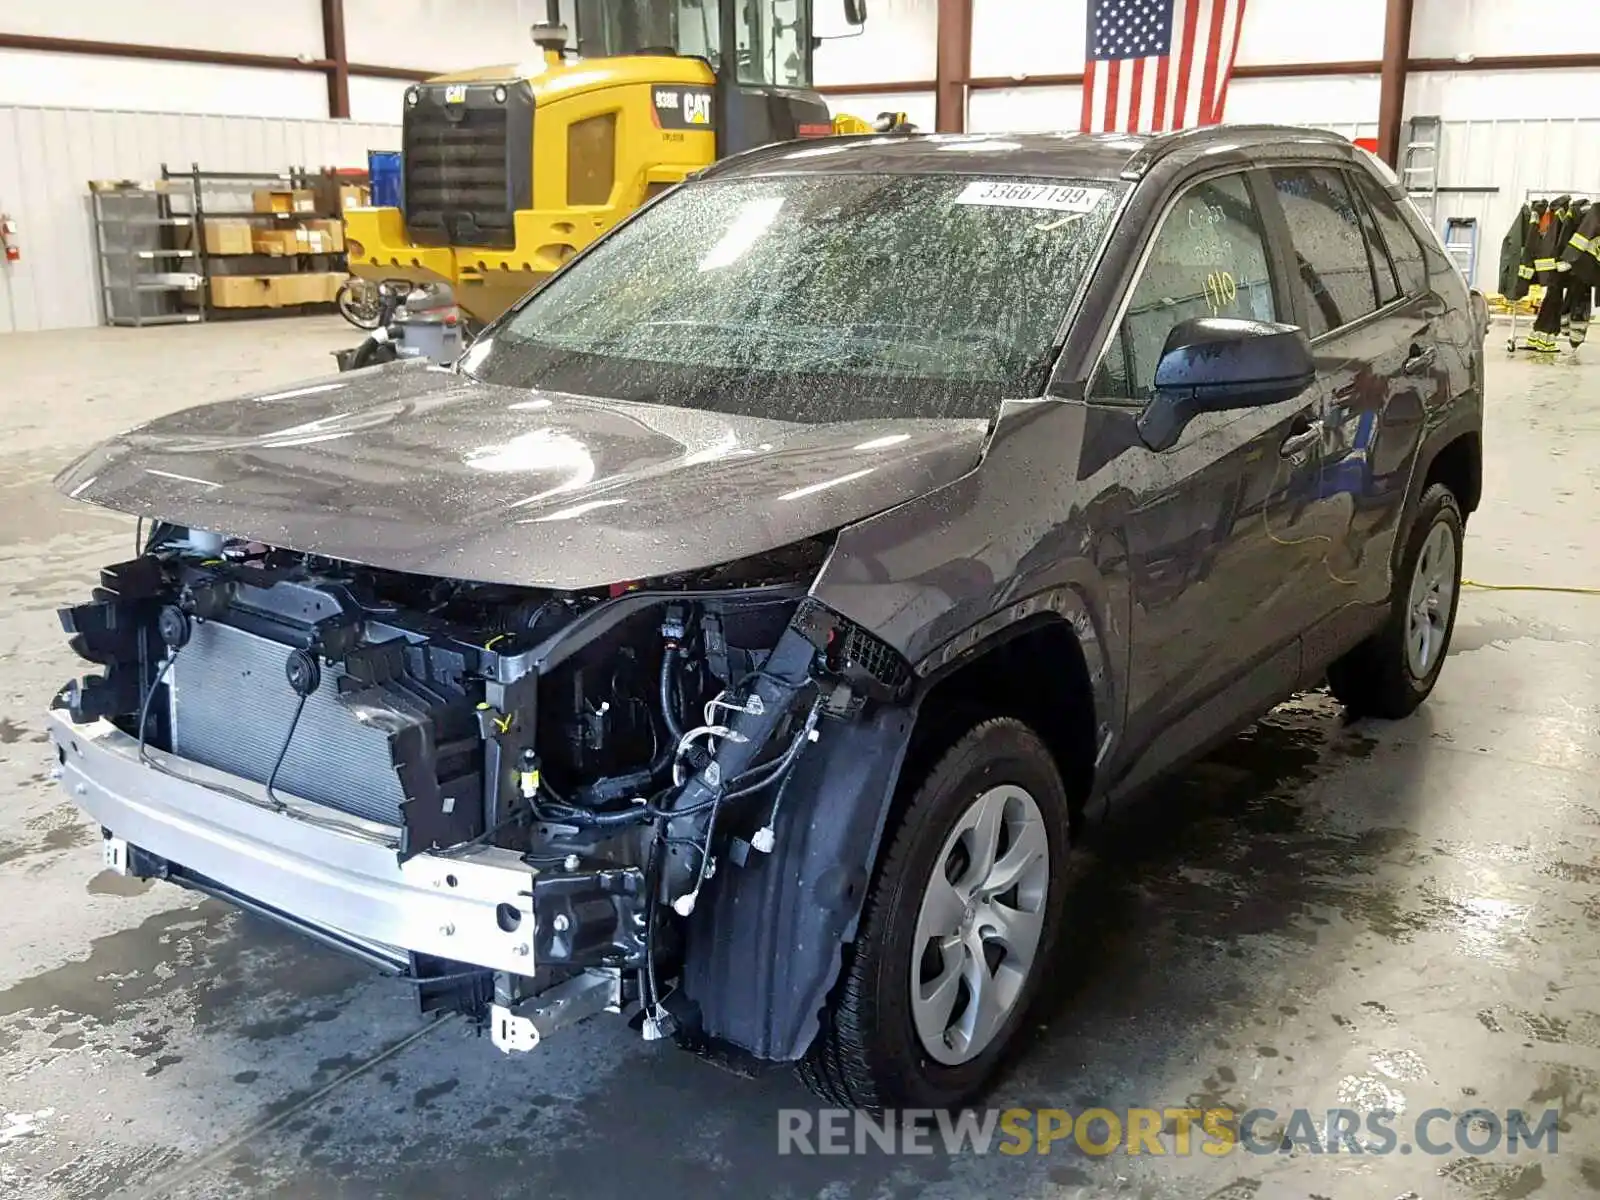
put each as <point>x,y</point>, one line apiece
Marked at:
<point>765,946</point>
<point>1459,466</point>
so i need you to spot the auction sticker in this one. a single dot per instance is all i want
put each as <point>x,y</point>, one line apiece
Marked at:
<point>1004,193</point>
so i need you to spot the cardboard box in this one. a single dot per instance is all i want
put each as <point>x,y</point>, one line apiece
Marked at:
<point>298,200</point>
<point>228,237</point>
<point>304,287</point>
<point>243,291</point>
<point>332,239</point>
<point>311,241</point>
<point>269,240</point>
<point>353,195</point>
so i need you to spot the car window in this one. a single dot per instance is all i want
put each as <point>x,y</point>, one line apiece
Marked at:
<point>1382,268</point>
<point>1331,268</point>
<point>1402,243</point>
<point>1208,259</point>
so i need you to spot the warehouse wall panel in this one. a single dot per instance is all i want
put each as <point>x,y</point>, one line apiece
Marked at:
<point>1027,37</point>
<point>1503,95</point>
<point>48,155</point>
<point>1447,28</point>
<point>897,43</point>
<point>441,35</point>
<point>86,81</point>
<point>1321,100</point>
<point>379,100</point>
<point>1030,109</point>
<point>288,27</point>
<point>1294,31</point>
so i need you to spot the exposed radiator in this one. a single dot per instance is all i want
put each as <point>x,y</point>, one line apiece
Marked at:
<point>232,707</point>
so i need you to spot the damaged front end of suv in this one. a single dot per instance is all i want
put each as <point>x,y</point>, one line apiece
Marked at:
<point>535,803</point>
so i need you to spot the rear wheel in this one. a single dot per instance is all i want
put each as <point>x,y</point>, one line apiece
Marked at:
<point>962,917</point>
<point>1393,671</point>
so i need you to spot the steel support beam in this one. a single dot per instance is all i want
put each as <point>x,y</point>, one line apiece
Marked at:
<point>333,49</point>
<point>215,58</point>
<point>952,66</point>
<point>1392,79</point>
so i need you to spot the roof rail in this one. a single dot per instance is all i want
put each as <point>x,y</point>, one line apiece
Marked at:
<point>1165,143</point>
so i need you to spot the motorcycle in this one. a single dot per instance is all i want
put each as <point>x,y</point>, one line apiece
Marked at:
<point>360,301</point>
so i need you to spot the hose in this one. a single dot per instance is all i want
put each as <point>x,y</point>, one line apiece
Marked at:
<point>668,690</point>
<point>368,349</point>
<point>144,708</point>
<point>1530,587</point>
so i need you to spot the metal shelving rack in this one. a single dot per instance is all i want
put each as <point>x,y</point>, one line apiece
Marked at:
<point>238,182</point>
<point>131,221</point>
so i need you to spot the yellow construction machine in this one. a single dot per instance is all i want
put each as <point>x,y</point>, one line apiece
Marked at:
<point>509,171</point>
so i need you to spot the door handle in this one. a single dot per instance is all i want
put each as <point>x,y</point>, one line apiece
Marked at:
<point>1421,359</point>
<point>1304,433</point>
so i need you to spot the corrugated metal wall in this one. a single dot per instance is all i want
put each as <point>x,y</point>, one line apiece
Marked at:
<point>48,155</point>
<point>1556,155</point>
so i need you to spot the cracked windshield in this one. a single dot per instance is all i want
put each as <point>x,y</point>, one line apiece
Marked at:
<point>817,299</point>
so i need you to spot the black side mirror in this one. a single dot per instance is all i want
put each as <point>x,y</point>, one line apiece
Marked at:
<point>1211,364</point>
<point>855,12</point>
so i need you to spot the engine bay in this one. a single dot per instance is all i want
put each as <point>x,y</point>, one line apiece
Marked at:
<point>626,742</point>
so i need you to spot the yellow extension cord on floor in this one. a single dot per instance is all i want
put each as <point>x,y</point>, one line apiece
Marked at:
<point>1529,587</point>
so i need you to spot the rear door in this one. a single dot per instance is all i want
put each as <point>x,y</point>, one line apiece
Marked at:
<point>1370,320</point>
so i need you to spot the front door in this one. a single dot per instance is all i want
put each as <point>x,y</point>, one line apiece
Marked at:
<point>1217,556</point>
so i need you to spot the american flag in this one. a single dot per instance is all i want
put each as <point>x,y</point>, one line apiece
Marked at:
<point>1158,64</point>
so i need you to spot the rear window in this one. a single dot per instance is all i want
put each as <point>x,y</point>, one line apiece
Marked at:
<point>1403,246</point>
<point>816,298</point>
<point>1331,268</point>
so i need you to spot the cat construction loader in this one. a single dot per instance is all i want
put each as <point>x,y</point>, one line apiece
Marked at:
<point>511,170</point>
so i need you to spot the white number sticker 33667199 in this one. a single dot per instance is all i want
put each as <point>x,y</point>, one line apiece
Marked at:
<point>1054,197</point>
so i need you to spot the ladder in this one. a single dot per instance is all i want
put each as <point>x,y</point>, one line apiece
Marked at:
<point>1419,169</point>
<point>1461,244</point>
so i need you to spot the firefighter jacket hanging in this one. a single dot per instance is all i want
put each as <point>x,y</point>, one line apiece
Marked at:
<point>1580,268</point>
<point>1548,243</point>
<point>1517,247</point>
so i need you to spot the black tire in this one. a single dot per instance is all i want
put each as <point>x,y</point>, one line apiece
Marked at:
<point>359,303</point>
<point>1375,679</point>
<point>867,1054</point>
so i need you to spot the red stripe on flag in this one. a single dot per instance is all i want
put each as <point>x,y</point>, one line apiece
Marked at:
<point>1180,103</point>
<point>1086,122</point>
<point>1161,93</point>
<point>1112,76</point>
<point>1136,95</point>
<point>1233,55</point>
<point>1208,85</point>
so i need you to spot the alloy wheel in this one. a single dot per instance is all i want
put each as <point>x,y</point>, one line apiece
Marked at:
<point>979,923</point>
<point>1429,603</point>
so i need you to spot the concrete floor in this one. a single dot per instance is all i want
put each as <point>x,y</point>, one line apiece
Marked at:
<point>1319,916</point>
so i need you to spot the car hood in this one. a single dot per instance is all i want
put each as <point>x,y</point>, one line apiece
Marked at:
<point>422,469</point>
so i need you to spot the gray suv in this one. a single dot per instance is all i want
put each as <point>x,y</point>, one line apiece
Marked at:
<point>737,638</point>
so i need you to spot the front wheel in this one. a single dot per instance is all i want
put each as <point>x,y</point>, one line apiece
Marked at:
<point>1393,671</point>
<point>957,930</point>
